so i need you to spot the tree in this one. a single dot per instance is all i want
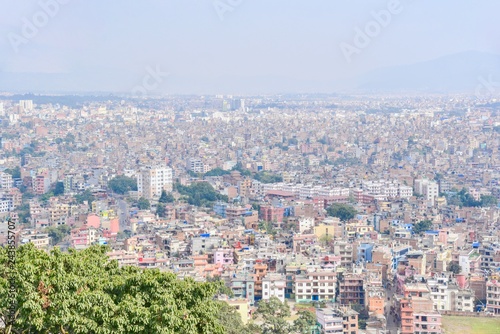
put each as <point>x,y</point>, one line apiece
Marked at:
<point>143,204</point>
<point>59,189</point>
<point>304,323</point>
<point>454,268</point>
<point>166,198</point>
<point>488,201</point>
<point>85,196</point>
<point>422,226</point>
<point>325,239</point>
<point>57,234</point>
<point>160,210</point>
<point>84,292</point>
<point>274,314</point>
<point>15,172</point>
<point>343,211</point>
<point>122,184</point>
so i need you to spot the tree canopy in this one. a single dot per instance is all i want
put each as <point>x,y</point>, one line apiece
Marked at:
<point>122,184</point>
<point>422,226</point>
<point>166,198</point>
<point>83,292</point>
<point>343,211</point>
<point>143,204</point>
<point>200,194</point>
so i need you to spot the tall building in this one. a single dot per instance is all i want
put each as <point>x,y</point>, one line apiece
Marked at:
<point>6,181</point>
<point>151,181</point>
<point>2,110</point>
<point>26,104</point>
<point>429,189</point>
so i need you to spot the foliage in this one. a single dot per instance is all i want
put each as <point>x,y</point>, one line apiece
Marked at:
<point>166,198</point>
<point>462,198</point>
<point>45,197</point>
<point>57,233</point>
<point>83,292</point>
<point>15,172</point>
<point>200,194</point>
<point>217,172</point>
<point>243,171</point>
<point>422,226</point>
<point>143,204</point>
<point>160,210</point>
<point>59,189</point>
<point>325,239</point>
<point>274,314</point>
<point>454,268</point>
<point>343,211</point>
<point>85,196</point>
<point>23,213</point>
<point>266,177</point>
<point>223,288</point>
<point>122,184</point>
<point>363,315</point>
<point>304,323</point>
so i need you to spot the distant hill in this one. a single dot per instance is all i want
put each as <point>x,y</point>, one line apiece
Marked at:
<point>459,72</point>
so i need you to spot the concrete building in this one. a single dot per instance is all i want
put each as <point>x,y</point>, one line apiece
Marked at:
<point>152,181</point>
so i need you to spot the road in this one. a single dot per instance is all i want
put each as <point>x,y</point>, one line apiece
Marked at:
<point>392,326</point>
<point>123,214</point>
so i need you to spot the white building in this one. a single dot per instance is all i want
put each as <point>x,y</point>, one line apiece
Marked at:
<point>6,181</point>
<point>429,189</point>
<point>273,285</point>
<point>151,181</point>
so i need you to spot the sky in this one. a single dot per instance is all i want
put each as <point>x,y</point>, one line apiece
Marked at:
<point>229,46</point>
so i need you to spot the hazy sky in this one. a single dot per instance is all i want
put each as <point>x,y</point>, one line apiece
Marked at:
<point>246,46</point>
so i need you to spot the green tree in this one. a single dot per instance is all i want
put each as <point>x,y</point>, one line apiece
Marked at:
<point>422,226</point>
<point>488,201</point>
<point>217,172</point>
<point>122,184</point>
<point>143,204</point>
<point>160,210</point>
<point>58,233</point>
<point>85,196</point>
<point>454,268</point>
<point>15,172</point>
<point>83,292</point>
<point>274,314</point>
<point>325,239</point>
<point>166,198</point>
<point>304,323</point>
<point>343,211</point>
<point>59,189</point>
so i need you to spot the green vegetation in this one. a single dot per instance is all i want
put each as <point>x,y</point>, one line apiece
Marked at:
<point>143,204</point>
<point>454,268</point>
<point>266,177</point>
<point>166,198</point>
<point>160,210</point>
<point>200,194</point>
<point>59,189</point>
<point>275,316</point>
<point>464,199</point>
<point>122,184</point>
<point>470,325</point>
<point>57,234</point>
<point>217,172</point>
<point>422,226</point>
<point>83,292</point>
<point>15,172</point>
<point>343,211</point>
<point>85,196</point>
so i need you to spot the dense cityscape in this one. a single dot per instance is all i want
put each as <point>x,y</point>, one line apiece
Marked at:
<point>313,213</point>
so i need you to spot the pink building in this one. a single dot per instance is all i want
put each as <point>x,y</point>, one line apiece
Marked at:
<point>93,221</point>
<point>114,225</point>
<point>223,256</point>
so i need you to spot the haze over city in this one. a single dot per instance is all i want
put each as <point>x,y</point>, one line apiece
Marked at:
<point>248,47</point>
